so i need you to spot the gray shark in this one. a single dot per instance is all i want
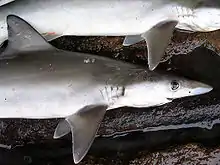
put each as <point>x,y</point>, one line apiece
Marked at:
<point>149,20</point>
<point>39,81</point>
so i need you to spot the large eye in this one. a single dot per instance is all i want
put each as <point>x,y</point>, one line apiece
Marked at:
<point>174,85</point>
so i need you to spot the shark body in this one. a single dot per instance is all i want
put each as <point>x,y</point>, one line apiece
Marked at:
<point>149,20</point>
<point>39,81</point>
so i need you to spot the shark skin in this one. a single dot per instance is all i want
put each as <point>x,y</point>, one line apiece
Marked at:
<point>39,81</point>
<point>152,21</point>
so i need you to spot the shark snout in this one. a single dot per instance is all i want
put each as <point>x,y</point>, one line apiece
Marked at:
<point>201,89</point>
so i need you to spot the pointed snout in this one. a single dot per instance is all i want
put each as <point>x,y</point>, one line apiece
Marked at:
<point>201,89</point>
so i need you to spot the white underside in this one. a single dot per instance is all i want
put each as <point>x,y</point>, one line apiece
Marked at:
<point>36,97</point>
<point>56,101</point>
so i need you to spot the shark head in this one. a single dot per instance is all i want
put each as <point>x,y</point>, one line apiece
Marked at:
<point>176,87</point>
<point>160,89</point>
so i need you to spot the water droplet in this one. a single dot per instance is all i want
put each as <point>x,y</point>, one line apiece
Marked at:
<point>88,60</point>
<point>93,60</point>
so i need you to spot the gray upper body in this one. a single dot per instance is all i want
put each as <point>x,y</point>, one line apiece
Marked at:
<point>47,79</point>
<point>152,21</point>
<point>40,81</point>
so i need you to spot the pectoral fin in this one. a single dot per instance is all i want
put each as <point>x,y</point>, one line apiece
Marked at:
<point>84,126</point>
<point>157,39</point>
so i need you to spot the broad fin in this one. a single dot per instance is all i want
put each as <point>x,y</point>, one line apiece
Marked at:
<point>132,39</point>
<point>22,37</point>
<point>157,39</point>
<point>84,125</point>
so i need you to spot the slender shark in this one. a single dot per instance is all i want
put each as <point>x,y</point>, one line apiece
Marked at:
<point>39,81</point>
<point>149,20</point>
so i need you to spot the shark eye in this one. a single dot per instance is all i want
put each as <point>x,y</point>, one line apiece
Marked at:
<point>174,85</point>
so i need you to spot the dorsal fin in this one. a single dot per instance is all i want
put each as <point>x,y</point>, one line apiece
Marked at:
<point>22,37</point>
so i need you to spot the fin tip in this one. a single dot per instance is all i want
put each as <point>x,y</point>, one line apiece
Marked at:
<point>76,161</point>
<point>13,17</point>
<point>153,66</point>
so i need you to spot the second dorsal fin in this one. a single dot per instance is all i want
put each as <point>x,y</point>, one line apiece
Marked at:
<point>22,37</point>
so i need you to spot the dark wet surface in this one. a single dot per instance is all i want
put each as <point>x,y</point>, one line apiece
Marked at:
<point>128,135</point>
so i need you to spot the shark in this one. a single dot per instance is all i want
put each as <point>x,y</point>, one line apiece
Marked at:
<point>151,20</point>
<point>40,81</point>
